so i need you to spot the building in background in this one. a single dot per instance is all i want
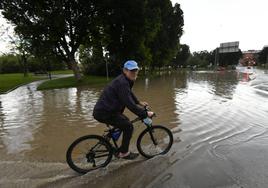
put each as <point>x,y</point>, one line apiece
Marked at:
<point>249,58</point>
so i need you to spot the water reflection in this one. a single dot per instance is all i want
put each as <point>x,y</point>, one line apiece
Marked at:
<point>70,105</point>
<point>21,111</point>
<point>223,84</point>
<point>1,116</point>
<point>2,131</point>
<point>66,116</point>
<point>159,92</point>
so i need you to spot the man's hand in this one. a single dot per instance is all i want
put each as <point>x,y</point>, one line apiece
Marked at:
<point>143,103</point>
<point>150,113</point>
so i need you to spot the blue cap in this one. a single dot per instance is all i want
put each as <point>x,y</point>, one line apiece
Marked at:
<point>131,65</point>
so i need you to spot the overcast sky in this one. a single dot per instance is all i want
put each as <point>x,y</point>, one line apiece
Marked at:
<point>207,23</point>
<point>3,43</point>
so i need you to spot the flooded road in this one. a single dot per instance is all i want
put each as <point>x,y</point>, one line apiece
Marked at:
<point>219,121</point>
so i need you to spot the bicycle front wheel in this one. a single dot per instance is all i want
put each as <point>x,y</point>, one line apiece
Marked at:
<point>153,141</point>
<point>88,153</point>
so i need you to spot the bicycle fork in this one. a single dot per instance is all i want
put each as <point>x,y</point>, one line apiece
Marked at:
<point>152,136</point>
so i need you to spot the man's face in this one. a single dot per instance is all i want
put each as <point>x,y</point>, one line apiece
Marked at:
<point>131,74</point>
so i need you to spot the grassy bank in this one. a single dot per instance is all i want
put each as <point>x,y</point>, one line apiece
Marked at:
<point>62,72</point>
<point>10,81</point>
<point>71,82</point>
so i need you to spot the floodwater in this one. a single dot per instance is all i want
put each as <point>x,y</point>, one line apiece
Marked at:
<point>219,121</point>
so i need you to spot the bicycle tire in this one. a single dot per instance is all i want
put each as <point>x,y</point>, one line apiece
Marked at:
<point>144,151</point>
<point>89,157</point>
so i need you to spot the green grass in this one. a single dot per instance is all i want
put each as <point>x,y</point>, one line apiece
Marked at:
<point>10,81</point>
<point>62,72</point>
<point>72,82</point>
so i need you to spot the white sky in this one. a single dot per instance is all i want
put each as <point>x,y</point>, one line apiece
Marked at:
<point>3,38</point>
<point>207,23</point>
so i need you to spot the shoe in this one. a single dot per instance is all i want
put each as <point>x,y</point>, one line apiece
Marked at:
<point>130,156</point>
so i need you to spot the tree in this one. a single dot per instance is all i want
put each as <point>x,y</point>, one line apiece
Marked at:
<point>230,58</point>
<point>263,55</point>
<point>19,46</point>
<point>128,27</point>
<point>147,31</point>
<point>195,61</point>
<point>61,26</point>
<point>201,59</point>
<point>9,64</point>
<point>182,56</point>
<point>165,45</point>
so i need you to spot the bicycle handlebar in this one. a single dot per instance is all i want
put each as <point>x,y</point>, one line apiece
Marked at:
<point>146,108</point>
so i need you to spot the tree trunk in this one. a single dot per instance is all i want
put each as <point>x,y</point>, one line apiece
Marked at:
<point>75,69</point>
<point>144,70</point>
<point>25,65</point>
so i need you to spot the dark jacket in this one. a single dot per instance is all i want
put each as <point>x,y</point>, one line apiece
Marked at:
<point>116,96</point>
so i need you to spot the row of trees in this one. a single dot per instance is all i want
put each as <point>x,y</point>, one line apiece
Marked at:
<point>11,63</point>
<point>100,30</point>
<point>208,59</point>
<point>205,58</point>
<point>184,58</point>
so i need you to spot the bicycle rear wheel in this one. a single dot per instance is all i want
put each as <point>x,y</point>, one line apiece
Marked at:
<point>88,153</point>
<point>156,140</point>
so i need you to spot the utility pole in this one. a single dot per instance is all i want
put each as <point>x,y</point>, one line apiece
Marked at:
<point>106,64</point>
<point>216,59</point>
<point>266,64</point>
<point>107,72</point>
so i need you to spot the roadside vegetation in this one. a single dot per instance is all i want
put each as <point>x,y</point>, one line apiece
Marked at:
<point>72,82</point>
<point>11,81</point>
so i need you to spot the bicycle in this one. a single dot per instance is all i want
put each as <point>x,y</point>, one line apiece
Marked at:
<point>99,151</point>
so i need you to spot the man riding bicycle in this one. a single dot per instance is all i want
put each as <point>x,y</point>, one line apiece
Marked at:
<point>115,97</point>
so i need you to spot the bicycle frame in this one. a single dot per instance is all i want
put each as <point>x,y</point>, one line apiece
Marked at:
<point>108,136</point>
<point>114,145</point>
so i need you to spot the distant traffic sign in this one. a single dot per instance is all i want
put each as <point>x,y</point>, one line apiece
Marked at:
<point>228,47</point>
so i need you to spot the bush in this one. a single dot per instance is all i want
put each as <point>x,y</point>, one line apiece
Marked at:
<point>9,64</point>
<point>197,62</point>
